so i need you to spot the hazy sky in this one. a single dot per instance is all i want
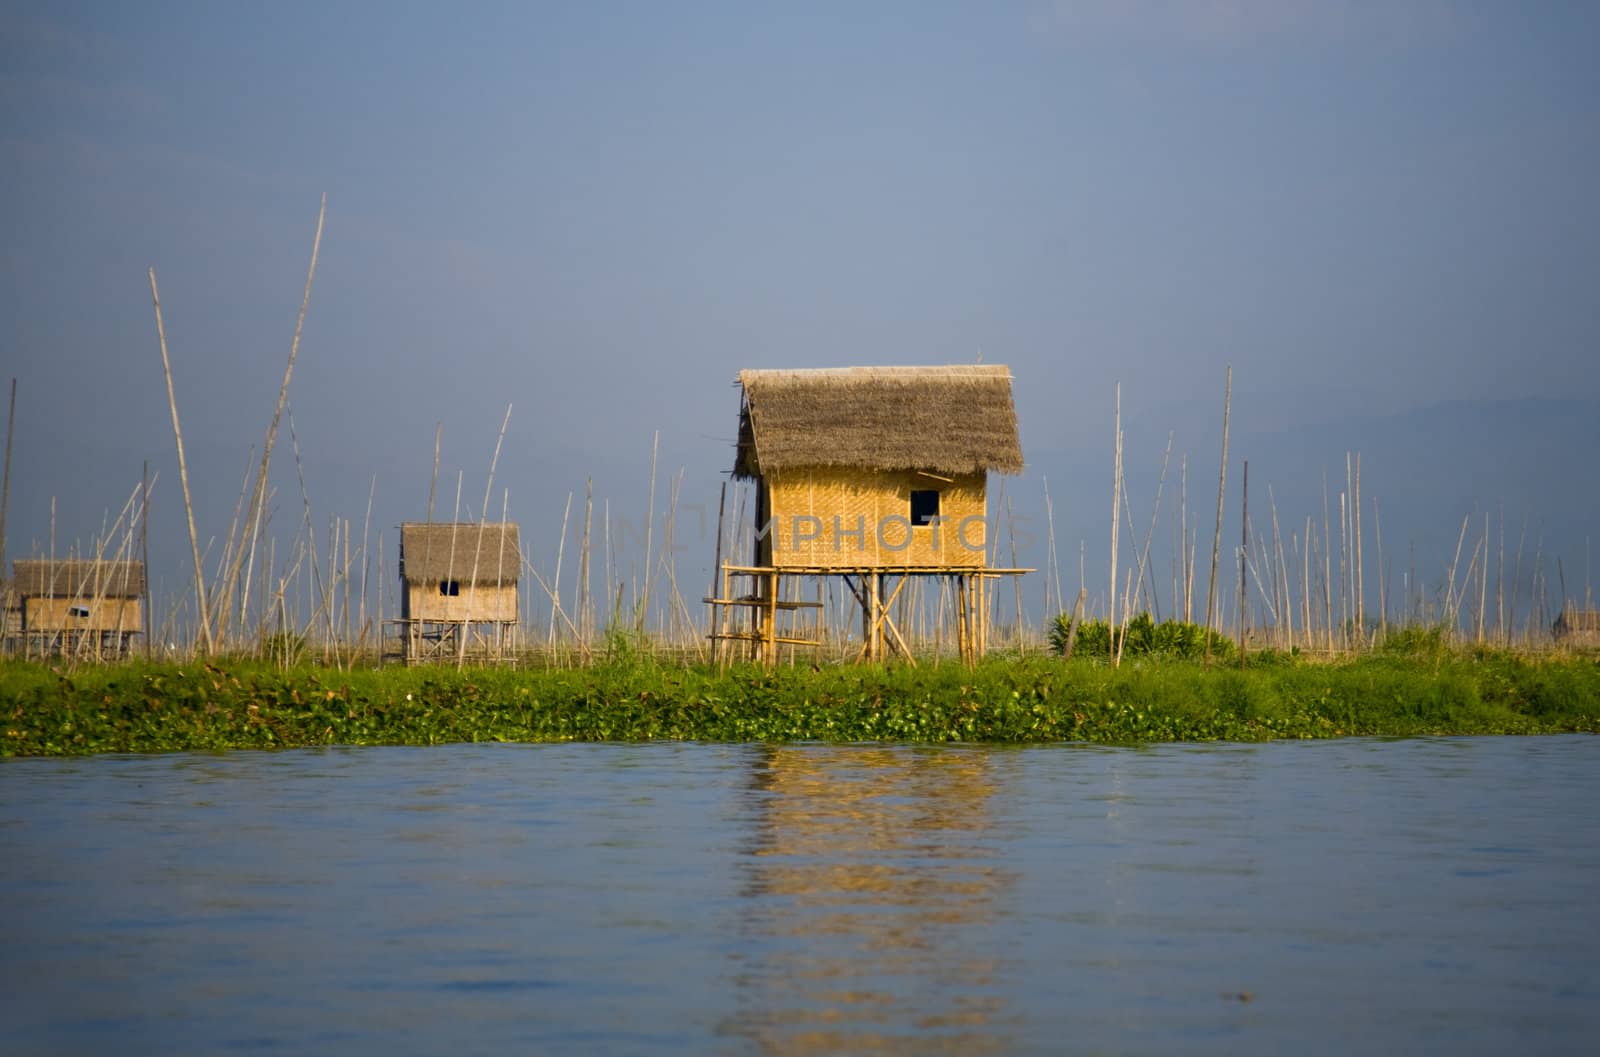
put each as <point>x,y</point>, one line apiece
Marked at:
<point>599,212</point>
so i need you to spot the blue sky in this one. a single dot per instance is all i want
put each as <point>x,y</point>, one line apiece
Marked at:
<point>599,212</point>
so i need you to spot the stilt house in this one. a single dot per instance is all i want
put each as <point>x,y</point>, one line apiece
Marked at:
<point>77,606</point>
<point>1578,628</point>
<point>871,473</point>
<point>458,588</point>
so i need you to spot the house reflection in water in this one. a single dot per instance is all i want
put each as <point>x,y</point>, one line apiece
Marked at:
<point>868,910</point>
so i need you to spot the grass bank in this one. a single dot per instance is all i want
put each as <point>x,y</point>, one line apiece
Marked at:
<point>164,708</point>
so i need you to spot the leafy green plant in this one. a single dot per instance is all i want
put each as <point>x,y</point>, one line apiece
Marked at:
<point>1173,639</point>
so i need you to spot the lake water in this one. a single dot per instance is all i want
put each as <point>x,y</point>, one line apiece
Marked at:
<point>1356,896</point>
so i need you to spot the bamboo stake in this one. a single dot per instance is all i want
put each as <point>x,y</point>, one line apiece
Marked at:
<point>1327,567</point>
<point>555,598</point>
<point>1344,571</point>
<point>5,483</point>
<point>1500,583</point>
<point>183,477</point>
<point>259,493</point>
<point>1016,587</point>
<point>1244,571</point>
<point>1216,542</point>
<point>1054,565</point>
<point>1450,605</point>
<point>1285,604</point>
<point>1155,511</point>
<point>585,601</point>
<point>1483,577</point>
<point>1361,579</point>
<point>1383,585</point>
<point>144,540</point>
<point>643,601</point>
<point>1516,580</point>
<point>366,564</point>
<point>1116,517</point>
<point>1184,571</point>
<point>1305,587</point>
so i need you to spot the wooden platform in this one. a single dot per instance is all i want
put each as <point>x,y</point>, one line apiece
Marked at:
<point>751,616</point>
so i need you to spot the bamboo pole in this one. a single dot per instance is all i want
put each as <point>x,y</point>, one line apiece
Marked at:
<point>1327,567</point>
<point>1344,571</point>
<point>5,483</point>
<point>366,564</point>
<point>716,569</point>
<point>1450,602</point>
<point>1244,568</point>
<point>1516,581</point>
<point>1305,587</point>
<point>1383,578</point>
<point>555,598</point>
<point>1216,541</point>
<point>258,494</point>
<point>1016,586</point>
<point>144,545</point>
<point>202,609</point>
<point>1281,576</point>
<point>1184,572</point>
<point>643,601</point>
<point>1483,577</point>
<point>585,600</point>
<point>1500,583</point>
<point>1361,578</point>
<point>1054,566</point>
<point>1116,519</point>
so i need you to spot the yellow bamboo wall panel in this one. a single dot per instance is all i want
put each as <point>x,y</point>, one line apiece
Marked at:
<point>484,603</point>
<point>828,518</point>
<point>106,614</point>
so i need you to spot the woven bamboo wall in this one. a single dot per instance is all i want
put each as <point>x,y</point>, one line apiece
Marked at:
<point>855,518</point>
<point>484,602</point>
<point>108,614</point>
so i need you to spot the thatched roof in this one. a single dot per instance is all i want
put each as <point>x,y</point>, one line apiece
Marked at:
<point>1578,620</point>
<point>434,551</point>
<point>952,420</point>
<point>78,578</point>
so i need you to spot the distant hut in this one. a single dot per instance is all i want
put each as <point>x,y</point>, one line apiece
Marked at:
<point>458,589</point>
<point>1578,628</point>
<point>873,474</point>
<point>78,607</point>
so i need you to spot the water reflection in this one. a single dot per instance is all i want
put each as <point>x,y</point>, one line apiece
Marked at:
<point>873,882</point>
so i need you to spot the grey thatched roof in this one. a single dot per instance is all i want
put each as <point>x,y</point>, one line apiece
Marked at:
<point>957,419</point>
<point>434,551</point>
<point>78,578</point>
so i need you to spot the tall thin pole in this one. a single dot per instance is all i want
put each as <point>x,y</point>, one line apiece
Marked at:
<point>5,487</point>
<point>1116,519</point>
<point>1244,566</point>
<point>183,477</point>
<point>1216,539</point>
<point>144,552</point>
<point>258,494</point>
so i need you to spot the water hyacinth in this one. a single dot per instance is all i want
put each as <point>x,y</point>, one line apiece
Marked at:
<point>160,708</point>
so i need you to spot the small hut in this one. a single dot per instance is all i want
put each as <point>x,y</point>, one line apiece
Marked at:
<point>876,475</point>
<point>458,590</point>
<point>1578,629</point>
<point>79,607</point>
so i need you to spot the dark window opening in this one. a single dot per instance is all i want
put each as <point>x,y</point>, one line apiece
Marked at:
<point>924,507</point>
<point>450,587</point>
<point>78,611</point>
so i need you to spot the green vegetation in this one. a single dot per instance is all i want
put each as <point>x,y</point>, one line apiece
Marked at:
<point>1171,639</point>
<point>1412,691</point>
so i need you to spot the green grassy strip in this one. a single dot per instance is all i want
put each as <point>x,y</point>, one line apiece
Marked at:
<point>163,708</point>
